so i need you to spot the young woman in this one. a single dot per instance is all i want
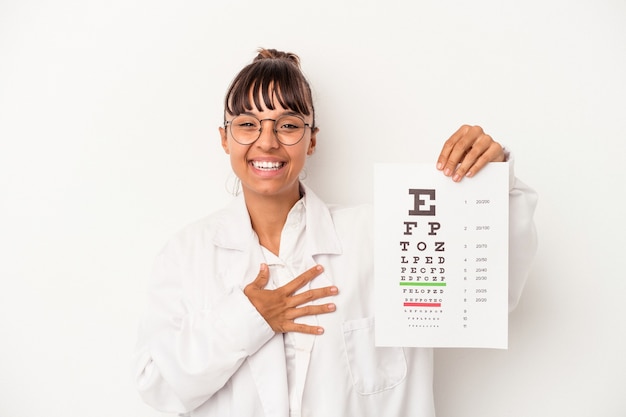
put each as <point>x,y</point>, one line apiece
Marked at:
<point>265,308</point>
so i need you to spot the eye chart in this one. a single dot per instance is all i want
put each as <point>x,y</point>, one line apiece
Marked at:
<point>441,257</point>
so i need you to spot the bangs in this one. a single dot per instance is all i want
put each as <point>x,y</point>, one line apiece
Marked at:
<point>263,82</point>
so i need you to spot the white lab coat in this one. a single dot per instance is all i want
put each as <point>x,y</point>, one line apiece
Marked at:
<point>204,349</point>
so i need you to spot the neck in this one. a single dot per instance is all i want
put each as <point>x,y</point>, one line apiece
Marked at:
<point>268,215</point>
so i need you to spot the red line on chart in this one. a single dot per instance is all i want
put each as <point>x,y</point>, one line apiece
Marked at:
<point>422,304</point>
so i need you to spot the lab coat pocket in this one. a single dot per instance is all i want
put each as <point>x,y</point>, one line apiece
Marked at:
<point>373,369</point>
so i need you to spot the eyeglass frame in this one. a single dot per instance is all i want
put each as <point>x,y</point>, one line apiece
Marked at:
<point>229,122</point>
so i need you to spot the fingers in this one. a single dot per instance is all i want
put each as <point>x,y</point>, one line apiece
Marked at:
<point>297,302</point>
<point>302,279</point>
<point>280,307</point>
<point>303,328</point>
<point>311,310</point>
<point>291,326</point>
<point>311,295</point>
<point>467,151</point>
<point>448,160</point>
<point>262,278</point>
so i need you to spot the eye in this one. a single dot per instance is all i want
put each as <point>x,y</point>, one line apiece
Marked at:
<point>290,123</point>
<point>245,123</point>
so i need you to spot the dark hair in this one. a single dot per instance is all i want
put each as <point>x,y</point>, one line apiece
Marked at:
<point>271,74</point>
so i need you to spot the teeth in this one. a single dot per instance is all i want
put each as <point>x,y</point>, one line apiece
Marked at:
<point>267,165</point>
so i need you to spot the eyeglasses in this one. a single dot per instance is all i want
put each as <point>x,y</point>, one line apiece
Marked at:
<point>246,129</point>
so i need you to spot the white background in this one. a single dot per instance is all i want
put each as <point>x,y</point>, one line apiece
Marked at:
<point>108,144</point>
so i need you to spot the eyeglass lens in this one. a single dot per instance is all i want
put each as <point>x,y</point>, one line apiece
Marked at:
<point>247,129</point>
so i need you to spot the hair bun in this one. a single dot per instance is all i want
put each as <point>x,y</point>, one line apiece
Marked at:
<point>275,54</point>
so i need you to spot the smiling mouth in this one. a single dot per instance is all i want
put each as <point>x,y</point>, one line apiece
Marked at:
<point>267,166</point>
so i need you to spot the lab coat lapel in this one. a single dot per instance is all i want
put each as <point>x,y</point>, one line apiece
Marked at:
<point>269,371</point>
<point>321,238</point>
<point>267,365</point>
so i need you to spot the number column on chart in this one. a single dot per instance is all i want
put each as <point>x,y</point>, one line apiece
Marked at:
<point>476,262</point>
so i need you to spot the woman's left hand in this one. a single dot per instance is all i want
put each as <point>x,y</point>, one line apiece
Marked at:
<point>467,151</point>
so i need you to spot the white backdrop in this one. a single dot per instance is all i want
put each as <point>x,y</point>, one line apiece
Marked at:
<point>108,144</point>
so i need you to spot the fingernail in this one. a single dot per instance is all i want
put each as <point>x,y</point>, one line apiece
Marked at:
<point>469,174</point>
<point>319,267</point>
<point>439,166</point>
<point>456,178</point>
<point>447,172</point>
<point>334,290</point>
<point>320,330</point>
<point>332,307</point>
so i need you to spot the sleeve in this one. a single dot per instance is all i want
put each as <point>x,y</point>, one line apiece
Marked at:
<point>522,235</point>
<point>184,355</point>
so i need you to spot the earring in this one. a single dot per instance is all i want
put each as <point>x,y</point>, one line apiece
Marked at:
<point>233,185</point>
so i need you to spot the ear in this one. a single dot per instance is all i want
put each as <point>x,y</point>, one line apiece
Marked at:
<point>312,142</point>
<point>224,140</point>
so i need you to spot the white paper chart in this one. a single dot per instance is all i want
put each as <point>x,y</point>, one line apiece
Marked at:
<point>441,257</point>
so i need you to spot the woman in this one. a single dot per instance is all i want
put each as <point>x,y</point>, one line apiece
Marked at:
<point>265,308</point>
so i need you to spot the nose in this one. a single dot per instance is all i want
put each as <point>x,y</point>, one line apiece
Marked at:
<point>267,137</point>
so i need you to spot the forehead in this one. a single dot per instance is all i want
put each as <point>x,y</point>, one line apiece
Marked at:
<point>266,91</point>
<point>268,101</point>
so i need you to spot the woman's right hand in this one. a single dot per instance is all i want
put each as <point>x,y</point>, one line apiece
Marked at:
<point>281,306</point>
